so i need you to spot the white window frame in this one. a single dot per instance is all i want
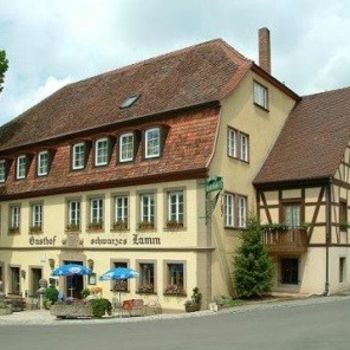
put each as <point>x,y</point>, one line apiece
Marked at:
<point>178,214</point>
<point>151,207</point>
<point>3,171</point>
<point>37,215</point>
<point>147,140</point>
<point>232,142</point>
<point>121,146</point>
<point>15,217</point>
<point>242,211</point>
<point>41,171</point>
<point>261,95</point>
<point>98,209</point>
<point>74,213</point>
<point>97,150</point>
<point>229,206</point>
<point>18,167</point>
<point>74,156</point>
<point>123,205</point>
<point>244,147</point>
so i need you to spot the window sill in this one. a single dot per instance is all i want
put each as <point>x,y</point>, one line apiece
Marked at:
<point>261,107</point>
<point>147,293</point>
<point>175,229</point>
<point>35,232</point>
<point>125,230</point>
<point>154,229</point>
<point>234,228</point>
<point>72,231</point>
<point>97,230</point>
<point>180,295</point>
<point>120,291</point>
<point>13,233</point>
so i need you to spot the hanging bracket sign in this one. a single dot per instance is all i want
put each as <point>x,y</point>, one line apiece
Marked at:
<point>214,183</point>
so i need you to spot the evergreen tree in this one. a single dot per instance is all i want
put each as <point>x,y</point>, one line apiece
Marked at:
<point>4,64</point>
<point>253,269</point>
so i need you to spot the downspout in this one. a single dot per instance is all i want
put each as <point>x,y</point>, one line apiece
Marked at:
<point>328,233</point>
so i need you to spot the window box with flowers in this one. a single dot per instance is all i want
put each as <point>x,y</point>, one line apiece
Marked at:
<point>146,289</point>
<point>174,225</point>
<point>120,286</point>
<point>96,226</point>
<point>72,228</point>
<point>146,225</point>
<point>14,230</point>
<point>36,229</point>
<point>120,225</point>
<point>174,290</point>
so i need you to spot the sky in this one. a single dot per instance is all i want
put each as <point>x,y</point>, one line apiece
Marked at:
<point>52,43</point>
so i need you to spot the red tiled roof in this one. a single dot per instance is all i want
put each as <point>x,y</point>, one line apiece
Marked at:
<point>191,76</point>
<point>313,140</point>
<point>188,146</point>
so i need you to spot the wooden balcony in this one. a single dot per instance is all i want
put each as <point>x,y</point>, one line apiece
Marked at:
<point>291,241</point>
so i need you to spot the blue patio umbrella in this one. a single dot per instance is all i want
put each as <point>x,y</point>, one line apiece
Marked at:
<point>119,273</point>
<point>71,270</point>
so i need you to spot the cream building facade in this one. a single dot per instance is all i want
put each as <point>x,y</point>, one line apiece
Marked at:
<point>130,188</point>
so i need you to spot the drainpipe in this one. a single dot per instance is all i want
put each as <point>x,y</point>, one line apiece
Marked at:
<point>328,233</point>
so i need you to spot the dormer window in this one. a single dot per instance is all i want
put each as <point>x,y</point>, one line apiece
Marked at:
<point>43,163</point>
<point>2,171</point>
<point>21,167</point>
<point>129,101</point>
<point>78,156</point>
<point>126,147</point>
<point>101,152</point>
<point>152,143</point>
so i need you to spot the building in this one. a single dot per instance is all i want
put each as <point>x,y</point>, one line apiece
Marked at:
<point>113,171</point>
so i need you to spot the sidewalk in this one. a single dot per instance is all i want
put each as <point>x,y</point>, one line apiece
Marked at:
<point>43,317</point>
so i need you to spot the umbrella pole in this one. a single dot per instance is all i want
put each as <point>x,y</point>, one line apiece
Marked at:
<point>121,306</point>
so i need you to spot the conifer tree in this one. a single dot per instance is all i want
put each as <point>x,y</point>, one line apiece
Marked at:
<point>4,64</point>
<point>253,270</point>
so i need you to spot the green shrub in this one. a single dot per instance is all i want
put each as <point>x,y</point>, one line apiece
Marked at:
<point>253,270</point>
<point>51,294</point>
<point>85,293</point>
<point>100,307</point>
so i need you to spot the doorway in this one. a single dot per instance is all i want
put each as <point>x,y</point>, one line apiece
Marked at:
<point>36,276</point>
<point>15,280</point>
<point>289,271</point>
<point>75,283</point>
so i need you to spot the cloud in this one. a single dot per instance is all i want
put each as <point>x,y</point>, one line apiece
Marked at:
<point>70,40</point>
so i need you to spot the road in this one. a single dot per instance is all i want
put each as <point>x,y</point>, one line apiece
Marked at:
<point>323,326</point>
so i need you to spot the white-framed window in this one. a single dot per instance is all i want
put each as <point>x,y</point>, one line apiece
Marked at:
<point>176,207</point>
<point>21,167</point>
<point>78,156</point>
<point>121,207</point>
<point>37,215</point>
<point>126,147</point>
<point>152,143</point>
<point>43,163</point>
<point>244,147</point>
<point>74,213</point>
<point>15,219</point>
<point>147,208</point>
<point>101,152</point>
<point>96,211</point>
<point>232,143</point>
<point>229,199</point>
<point>261,95</point>
<point>242,211</point>
<point>2,170</point>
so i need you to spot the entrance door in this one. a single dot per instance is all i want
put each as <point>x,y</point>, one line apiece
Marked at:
<point>15,280</point>
<point>36,275</point>
<point>75,284</point>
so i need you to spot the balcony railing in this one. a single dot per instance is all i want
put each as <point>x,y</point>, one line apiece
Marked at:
<point>292,240</point>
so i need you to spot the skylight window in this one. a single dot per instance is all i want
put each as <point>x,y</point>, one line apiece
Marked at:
<point>129,101</point>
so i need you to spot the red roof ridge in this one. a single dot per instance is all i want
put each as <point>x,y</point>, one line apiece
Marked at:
<point>326,92</point>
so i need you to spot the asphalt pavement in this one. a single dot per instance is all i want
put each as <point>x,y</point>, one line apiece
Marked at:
<point>318,326</point>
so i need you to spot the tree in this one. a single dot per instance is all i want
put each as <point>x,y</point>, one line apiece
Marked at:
<point>253,270</point>
<point>4,64</point>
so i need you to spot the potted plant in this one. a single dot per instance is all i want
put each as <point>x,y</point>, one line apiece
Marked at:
<point>343,226</point>
<point>195,303</point>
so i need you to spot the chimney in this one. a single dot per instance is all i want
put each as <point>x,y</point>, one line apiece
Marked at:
<point>264,49</point>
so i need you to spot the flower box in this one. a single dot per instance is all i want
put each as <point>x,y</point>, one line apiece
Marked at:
<point>174,290</point>
<point>146,226</point>
<point>146,289</point>
<point>13,230</point>
<point>72,228</point>
<point>95,226</point>
<point>174,225</point>
<point>120,226</point>
<point>35,229</point>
